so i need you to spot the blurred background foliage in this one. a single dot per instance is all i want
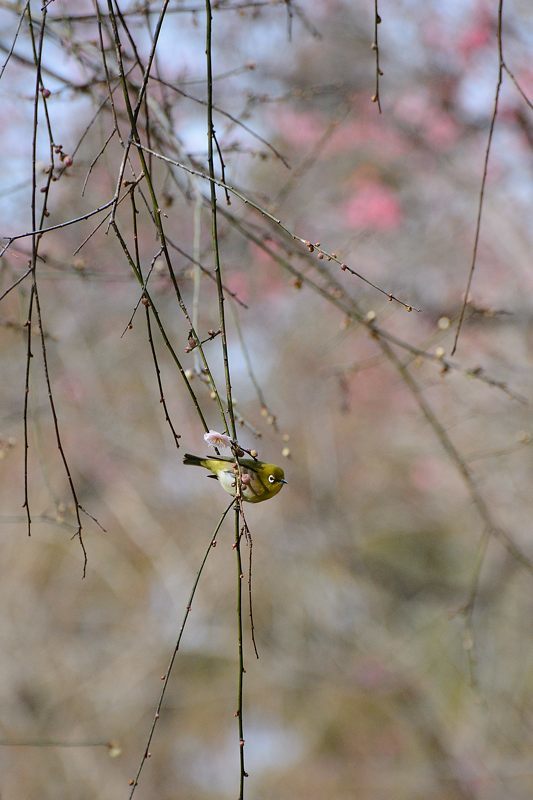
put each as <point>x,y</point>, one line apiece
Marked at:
<point>374,680</point>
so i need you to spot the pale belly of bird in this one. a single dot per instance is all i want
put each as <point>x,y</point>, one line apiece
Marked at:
<point>252,489</point>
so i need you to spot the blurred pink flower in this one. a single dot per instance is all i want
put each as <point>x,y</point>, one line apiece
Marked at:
<point>477,36</point>
<point>423,111</point>
<point>302,128</point>
<point>368,134</point>
<point>216,439</point>
<point>374,206</point>
<point>440,129</point>
<point>239,283</point>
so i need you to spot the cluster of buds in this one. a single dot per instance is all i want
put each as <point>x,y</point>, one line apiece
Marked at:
<point>192,343</point>
<point>65,159</point>
<point>322,253</point>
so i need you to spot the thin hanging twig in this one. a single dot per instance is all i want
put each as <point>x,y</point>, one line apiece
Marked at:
<point>134,782</point>
<point>483,179</point>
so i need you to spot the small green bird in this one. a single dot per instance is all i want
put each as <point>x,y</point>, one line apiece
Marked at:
<point>260,481</point>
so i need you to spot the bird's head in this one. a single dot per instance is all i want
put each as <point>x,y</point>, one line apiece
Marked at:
<point>272,477</point>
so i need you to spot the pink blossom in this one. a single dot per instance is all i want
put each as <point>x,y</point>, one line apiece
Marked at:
<point>373,206</point>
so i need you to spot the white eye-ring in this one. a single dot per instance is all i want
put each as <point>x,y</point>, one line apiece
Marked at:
<point>271,479</point>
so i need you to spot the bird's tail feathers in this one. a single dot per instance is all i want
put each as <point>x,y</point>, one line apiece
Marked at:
<point>195,461</point>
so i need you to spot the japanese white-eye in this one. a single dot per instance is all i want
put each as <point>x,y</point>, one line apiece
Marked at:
<point>259,481</point>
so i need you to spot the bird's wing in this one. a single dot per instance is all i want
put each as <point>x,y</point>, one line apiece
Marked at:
<point>248,463</point>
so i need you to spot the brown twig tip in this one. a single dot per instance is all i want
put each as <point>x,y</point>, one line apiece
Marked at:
<point>390,297</point>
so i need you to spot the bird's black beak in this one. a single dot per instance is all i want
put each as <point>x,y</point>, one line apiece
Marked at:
<point>282,480</point>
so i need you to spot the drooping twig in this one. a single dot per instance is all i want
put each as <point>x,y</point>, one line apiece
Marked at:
<point>348,307</point>
<point>375,47</point>
<point>240,643</point>
<point>144,299</point>
<point>161,327</point>
<point>232,118</point>
<point>130,186</point>
<point>205,271</point>
<point>336,295</point>
<point>95,159</point>
<point>133,112</point>
<point>519,89</point>
<point>134,782</point>
<point>250,543</point>
<point>214,224</point>
<point>491,526</point>
<point>13,43</point>
<point>15,284</point>
<point>197,272</point>
<point>227,375</point>
<point>158,376</point>
<point>59,226</point>
<point>251,372</point>
<point>484,177</point>
<point>142,295</point>
<point>155,206</point>
<point>29,356</point>
<point>35,299</point>
<point>322,253</point>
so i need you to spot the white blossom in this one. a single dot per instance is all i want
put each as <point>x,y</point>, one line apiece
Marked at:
<point>216,439</point>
